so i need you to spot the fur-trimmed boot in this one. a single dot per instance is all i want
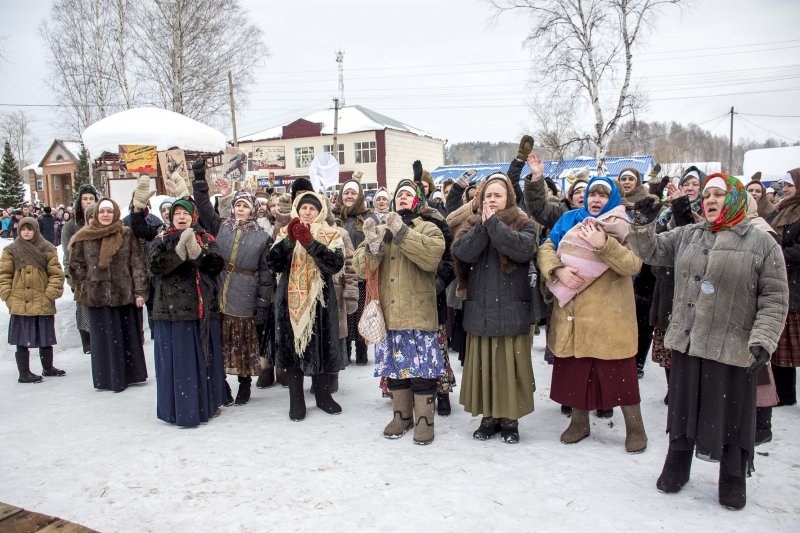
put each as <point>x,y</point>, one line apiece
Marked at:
<point>578,427</point>
<point>488,428</point>
<point>676,471</point>
<point>297,400</point>
<point>46,357</point>
<point>509,430</point>
<point>424,412</point>
<point>23,366</point>
<point>322,394</point>
<point>402,414</point>
<point>266,378</point>
<point>635,436</point>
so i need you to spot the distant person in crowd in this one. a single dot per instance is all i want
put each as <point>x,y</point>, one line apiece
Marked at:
<point>31,280</point>
<point>47,225</point>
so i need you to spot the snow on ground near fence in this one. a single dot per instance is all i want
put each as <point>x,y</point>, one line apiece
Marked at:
<point>103,460</point>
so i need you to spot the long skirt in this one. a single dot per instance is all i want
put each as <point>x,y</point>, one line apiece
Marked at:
<point>587,383</point>
<point>181,373</point>
<point>353,318</point>
<point>116,343</point>
<point>409,353</point>
<point>498,377</point>
<point>32,331</point>
<point>217,393</point>
<point>240,346</point>
<point>444,383</point>
<point>713,406</point>
<point>788,351</point>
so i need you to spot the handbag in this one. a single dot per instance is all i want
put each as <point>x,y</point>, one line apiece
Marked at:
<point>371,325</point>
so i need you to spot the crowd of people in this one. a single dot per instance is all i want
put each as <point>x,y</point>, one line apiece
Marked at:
<point>698,271</point>
<point>51,222</point>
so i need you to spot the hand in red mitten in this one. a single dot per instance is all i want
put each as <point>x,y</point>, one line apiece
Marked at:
<point>303,234</point>
<point>291,228</point>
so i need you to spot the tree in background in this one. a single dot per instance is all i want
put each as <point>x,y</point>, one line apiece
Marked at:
<point>12,194</point>
<point>15,127</point>
<point>583,49</point>
<point>82,175</point>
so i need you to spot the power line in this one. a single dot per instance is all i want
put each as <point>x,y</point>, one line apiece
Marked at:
<point>793,139</point>
<point>763,115</point>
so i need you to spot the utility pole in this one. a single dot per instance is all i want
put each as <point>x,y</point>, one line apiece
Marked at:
<point>340,67</point>
<point>336,129</point>
<point>233,109</point>
<point>730,147</point>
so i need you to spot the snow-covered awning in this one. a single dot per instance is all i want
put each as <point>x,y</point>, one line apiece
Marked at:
<point>151,126</point>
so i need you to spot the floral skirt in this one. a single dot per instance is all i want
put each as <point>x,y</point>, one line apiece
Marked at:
<point>661,354</point>
<point>444,383</point>
<point>409,353</point>
<point>240,346</point>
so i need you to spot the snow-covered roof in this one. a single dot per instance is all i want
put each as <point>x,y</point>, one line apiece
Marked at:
<point>352,119</point>
<point>773,163</point>
<point>152,127</point>
<point>35,168</point>
<point>677,169</point>
<point>73,147</point>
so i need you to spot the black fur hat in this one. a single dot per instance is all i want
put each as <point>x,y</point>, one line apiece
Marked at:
<point>301,185</point>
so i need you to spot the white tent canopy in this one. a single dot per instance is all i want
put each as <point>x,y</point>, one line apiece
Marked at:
<point>151,126</point>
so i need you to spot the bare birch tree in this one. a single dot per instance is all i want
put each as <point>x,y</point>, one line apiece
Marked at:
<point>187,47</point>
<point>585,47</point>
<point>15,128</point>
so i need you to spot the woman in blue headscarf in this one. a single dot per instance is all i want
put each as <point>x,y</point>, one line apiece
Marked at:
<point>593,336</point>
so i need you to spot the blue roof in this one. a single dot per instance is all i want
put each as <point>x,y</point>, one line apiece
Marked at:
<point>552,168</point>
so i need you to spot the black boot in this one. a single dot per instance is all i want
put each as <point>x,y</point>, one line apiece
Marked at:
<point>334,383</point>
<point>297,401</point>
<point>46,357</point>
<point>732,488</point>
<point>266,378</point>
<point>566,410</point>
<point>677,468</point>
<point>85,341</point>
<point>322,394</point>
<point>605,413</point>
<point>349,345</point>
<point>509,430</point>
<point>243,394</point>
<point>361,352</point>
<point>489,428</point>
<point>763,425</point>
<point>280,377</point>
<point>443,404</point>
<point>228,395</point>
<point>25,374</point>
<point>785,385</point>
<point>666,396</point>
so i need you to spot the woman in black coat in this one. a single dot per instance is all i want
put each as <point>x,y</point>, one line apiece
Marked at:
<point>307,253</point>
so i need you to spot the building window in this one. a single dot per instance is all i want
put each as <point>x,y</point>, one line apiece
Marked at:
<point>328,149</point>
<point>59,157</point>
<point>39,185</point>
<point>303,156</point>
<point>365,152</point>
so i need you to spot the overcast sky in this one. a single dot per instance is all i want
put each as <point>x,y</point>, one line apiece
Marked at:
<point>448,67</point>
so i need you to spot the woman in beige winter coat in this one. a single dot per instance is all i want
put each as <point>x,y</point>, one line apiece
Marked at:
<point>730,303</point>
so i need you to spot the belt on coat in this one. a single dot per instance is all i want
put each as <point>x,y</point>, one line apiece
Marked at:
<point>230,267</point>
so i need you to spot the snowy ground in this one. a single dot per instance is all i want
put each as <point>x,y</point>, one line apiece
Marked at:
<point>104,460</point>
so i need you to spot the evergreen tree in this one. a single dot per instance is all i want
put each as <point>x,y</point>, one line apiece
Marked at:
<point>12,194</point>
<point>81,176</point>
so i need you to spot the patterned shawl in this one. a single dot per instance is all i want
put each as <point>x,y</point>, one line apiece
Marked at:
<point>305,279</point>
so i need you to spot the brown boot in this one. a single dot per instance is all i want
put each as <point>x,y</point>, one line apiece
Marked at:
<point>403,419</point>
<point>578,427</point>
<point>423,409</point>
<point>635,437</point>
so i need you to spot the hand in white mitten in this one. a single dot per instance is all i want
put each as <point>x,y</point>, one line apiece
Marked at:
<point>192,247</point>
<point>394,222</point>
<point>183,241</point>
<point>371,236</point>
<point>176,186</point>
<point>142,193</point>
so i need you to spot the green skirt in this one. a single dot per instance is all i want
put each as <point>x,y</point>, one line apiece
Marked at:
<point>497,380</point>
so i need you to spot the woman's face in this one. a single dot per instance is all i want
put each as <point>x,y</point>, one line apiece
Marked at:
<point>496,196</point>
<point>262,206</point>
<point>426,188</point>
<point>627,183</point>
<point>713,201</point>
<point>598,198</point>
<point>165,211</point>
<point>404,200</point>
<point>577,197</point>
<point>349,197</point>
<point>382,203</point>
<point>241,211</point>
<point>788,190</point>
<point>181,218</point>
<point>308,213</point>
<point>447,188</point>
<point>105,215</point>
<point>692,188</point>
<point>754,190</point>
<point>26,233</point>
<point>273,205</point>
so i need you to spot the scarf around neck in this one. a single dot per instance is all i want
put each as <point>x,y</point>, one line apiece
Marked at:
<point>33,252</point>
<point>110,235</point>
<point>305,280</point>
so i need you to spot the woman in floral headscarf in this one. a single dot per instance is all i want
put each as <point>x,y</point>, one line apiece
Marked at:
<point>730,303</point>
<point>246,280</point>
<point>306,256</point>
<point>405,253</point>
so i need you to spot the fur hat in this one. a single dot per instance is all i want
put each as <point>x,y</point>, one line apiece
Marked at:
<point>301,185</point>
<point>630,171</point>
<point>551,185</point>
